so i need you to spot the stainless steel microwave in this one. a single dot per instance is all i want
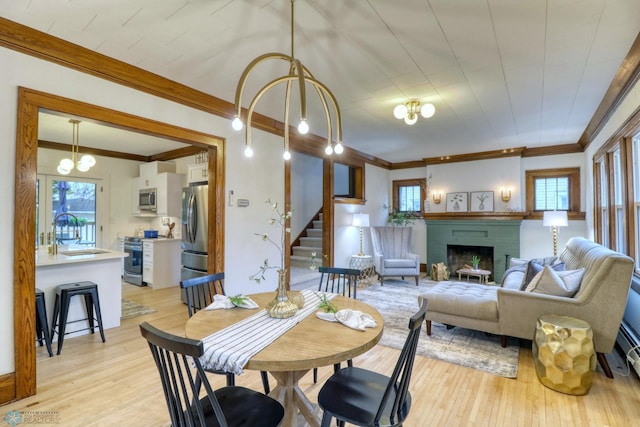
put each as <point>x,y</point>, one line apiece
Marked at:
<point>147,199</point>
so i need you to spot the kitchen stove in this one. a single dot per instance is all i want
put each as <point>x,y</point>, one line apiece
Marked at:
<point>133,263</point>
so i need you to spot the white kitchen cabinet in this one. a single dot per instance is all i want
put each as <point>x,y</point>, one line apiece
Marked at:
<point>121,249</point>
<point>161,262</point>
<point>135,194</point>
<point>198,172</point>
<point>169,194</point>
<point>148,171</point>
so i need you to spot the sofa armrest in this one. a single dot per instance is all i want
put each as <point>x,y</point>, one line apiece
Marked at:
<point>519,311</point>
<point>414,257</point>
<point>377,261</point>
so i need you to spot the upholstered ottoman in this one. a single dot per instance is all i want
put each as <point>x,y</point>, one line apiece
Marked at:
<point>469,305</point>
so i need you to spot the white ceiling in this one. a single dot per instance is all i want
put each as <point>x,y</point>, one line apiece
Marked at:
<point>53,127</point>
<point>501,73</point>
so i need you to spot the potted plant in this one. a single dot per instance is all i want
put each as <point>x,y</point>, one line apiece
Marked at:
<point>399,218</point>
<point>475,261</point>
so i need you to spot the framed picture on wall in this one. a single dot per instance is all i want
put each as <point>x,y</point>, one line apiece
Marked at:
<point>457,202</point>
<point>482,201</point>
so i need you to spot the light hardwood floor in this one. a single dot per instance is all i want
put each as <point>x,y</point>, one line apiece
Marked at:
<point>116,383</point>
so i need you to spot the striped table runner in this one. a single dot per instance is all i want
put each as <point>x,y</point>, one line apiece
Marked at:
<point>230,349</point>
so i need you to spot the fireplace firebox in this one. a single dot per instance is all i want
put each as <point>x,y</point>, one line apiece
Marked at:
<point>459,256</point>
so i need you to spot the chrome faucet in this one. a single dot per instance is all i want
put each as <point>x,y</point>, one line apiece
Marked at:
<point>54,246</point>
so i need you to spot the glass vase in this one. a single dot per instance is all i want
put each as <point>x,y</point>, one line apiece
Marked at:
<point>281,307</point>
<point>296,297</point>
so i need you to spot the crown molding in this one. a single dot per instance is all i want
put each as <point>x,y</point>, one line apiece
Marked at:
<point>482,155</point>
<point>549,150</point>
<point>44,46</point>
<point>35,43</point>
<point>626,77</point>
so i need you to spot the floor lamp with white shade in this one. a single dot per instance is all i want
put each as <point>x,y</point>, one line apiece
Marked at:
<point>555,219</point>
<point>360,220</point>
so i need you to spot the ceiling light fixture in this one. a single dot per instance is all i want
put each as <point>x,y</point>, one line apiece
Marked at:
<point>410,109</point>
<point>85,163</point>
<point>299,73</point>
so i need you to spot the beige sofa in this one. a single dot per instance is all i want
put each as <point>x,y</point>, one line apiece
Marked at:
<point>508,311</point>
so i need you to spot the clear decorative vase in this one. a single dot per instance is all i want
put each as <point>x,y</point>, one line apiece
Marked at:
<point>296,297</point>
<point>281,307</point>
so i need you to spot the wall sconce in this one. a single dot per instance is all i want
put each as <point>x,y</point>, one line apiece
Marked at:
<point>505,195</point>
<point>437,198</point>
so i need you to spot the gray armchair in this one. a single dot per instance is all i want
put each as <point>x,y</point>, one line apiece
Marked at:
<point>392,255</point>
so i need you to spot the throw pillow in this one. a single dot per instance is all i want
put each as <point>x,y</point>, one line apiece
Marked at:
<point>516,262</point>
<point>558,283</point>
<point>512,278</point>
<point>534,267</point>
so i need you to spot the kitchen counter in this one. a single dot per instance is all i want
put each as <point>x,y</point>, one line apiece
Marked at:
<point>161,239</point>
<point>74,255</point>
<point>77,264</point>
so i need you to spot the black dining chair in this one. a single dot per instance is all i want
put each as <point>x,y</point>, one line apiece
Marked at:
<point>342,281</point>
<point>182,377</point>
<point>199,293</point>
<point>366,398</point>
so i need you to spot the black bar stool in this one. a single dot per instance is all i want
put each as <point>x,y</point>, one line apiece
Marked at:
<point>64,293</point>
<point>42,324</point>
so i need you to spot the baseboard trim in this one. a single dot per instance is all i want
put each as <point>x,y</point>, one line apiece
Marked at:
<point>7,388</point>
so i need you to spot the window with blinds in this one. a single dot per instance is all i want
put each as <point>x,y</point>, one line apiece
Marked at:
<point>553,190</point>
<point>409,195</point>
<point>409,198</point>
<point>551,194</point>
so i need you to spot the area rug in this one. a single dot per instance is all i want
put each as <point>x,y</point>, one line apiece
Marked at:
<point>397,301</point>
<point>132,309</point>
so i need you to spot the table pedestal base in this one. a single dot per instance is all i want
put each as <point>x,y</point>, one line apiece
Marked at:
<point>294,400</point>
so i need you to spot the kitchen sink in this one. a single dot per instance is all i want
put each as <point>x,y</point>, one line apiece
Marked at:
<point>79,252</point>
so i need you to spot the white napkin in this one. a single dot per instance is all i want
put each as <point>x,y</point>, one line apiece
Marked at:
<point>352,318</point>
<point>223,301</point>
<point>329,317</point>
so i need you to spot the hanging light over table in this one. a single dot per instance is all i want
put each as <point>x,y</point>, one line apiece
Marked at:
<point>85,162</point>
<point>299,73</point>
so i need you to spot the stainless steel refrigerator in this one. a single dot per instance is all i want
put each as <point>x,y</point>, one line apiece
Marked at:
<point>195,228</point>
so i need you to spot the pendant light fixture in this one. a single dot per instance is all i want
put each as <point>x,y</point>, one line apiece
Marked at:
<point>85,162</point>
<point>297,72</point>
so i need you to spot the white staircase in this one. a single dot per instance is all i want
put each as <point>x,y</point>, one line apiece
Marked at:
<point>302,255</point>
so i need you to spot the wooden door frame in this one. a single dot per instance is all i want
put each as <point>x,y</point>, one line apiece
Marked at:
<point>29,104</point>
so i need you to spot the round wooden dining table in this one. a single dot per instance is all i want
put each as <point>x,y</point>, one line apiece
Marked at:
<point>310,344</point>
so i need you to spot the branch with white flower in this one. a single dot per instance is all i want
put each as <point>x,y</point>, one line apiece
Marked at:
<point>279,221</point>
